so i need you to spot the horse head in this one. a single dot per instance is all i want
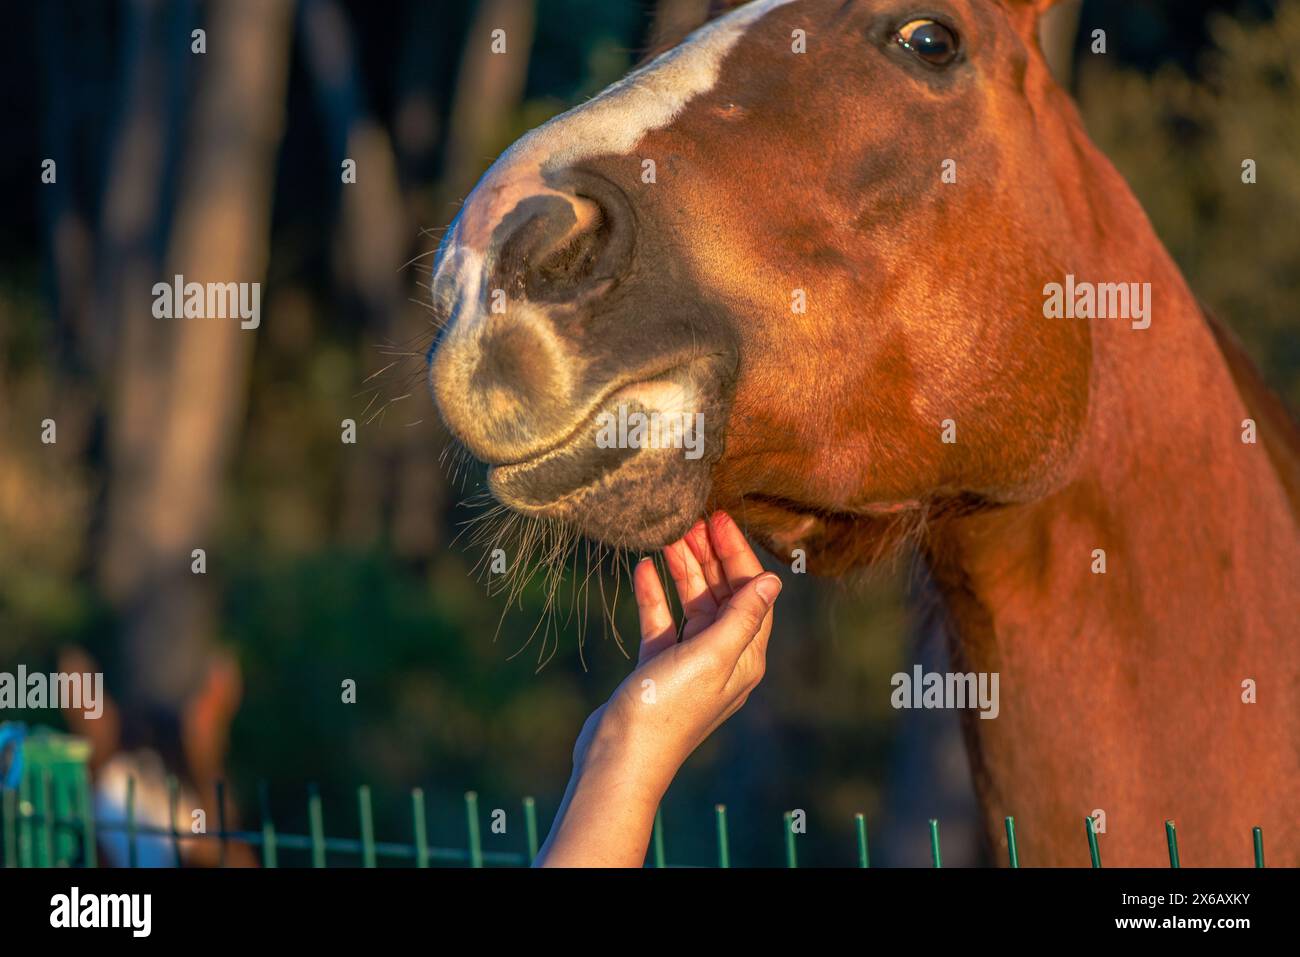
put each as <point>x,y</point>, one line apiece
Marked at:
<point>762,232</point>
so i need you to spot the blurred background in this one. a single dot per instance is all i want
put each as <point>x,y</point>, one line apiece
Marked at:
<point>328,562</point>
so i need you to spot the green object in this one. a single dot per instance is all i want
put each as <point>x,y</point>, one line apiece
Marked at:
<point>1093,849</point>
<point>724,852</point>
<point>46,818</point>
<point>42,817</point>
<point>471,818</point>
<point>421,833</point>
<point>934,842</point>
<point>860,825</point>
<point>659,838</point>
<point>316,821</point>
<point>132,852</point>
<point>269,858</point>
<point>791,858</point>
<point>86,807</point>
<point>1012,856</point>
<point>24,822</point>
<point>368,827</point>
<point>530,823</point>
<point>1172,837</point>
<point>1258,833</point>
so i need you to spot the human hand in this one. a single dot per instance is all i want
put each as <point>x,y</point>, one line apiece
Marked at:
<point>632,746</point>
<point>682,691</point>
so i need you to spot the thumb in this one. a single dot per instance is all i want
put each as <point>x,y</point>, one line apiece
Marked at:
<point>745,614</point>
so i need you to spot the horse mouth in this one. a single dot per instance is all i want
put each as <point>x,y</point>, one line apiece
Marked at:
<point>631,470</point>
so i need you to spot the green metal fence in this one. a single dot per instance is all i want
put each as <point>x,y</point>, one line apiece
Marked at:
<point>49,821</point>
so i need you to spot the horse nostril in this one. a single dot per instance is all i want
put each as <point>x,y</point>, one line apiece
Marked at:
<point>554,248</point>
<point>571,266</point>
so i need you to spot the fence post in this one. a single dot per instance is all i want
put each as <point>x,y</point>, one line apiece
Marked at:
<point>131,852</point>
<point>1093,849</point>
<point>934,842</point>
<point>24,822</point>
<point>791,859</point>
<point>316,820</point>
<point>471,820</point>
<point>1258,833</point>
<point>86,802</point>
<point>860,825</point>
<point>47,818</point>
<point>530,823</point>
<point>1012,856</point>
<point>9,798</point>
<point>1172,837</point>
<point>367,826</point>
<point>659,839</point>
<point>268,829</point>
<point>421,835</point>
<point>724,852</point>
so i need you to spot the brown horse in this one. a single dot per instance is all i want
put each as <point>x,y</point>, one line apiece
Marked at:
<point>832,229</point>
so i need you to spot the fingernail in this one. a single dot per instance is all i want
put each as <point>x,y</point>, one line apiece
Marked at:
<point>768,587</point>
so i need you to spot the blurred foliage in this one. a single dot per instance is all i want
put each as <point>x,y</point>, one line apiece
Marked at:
<point>46,492</point>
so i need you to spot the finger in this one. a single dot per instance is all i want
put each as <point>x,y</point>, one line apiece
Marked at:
<point>657,629</point>
<point>697,601</point>
<point>739,563</point>
<point>747,616</point>
<point>698,541</point>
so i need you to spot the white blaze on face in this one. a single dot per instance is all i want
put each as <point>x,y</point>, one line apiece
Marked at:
<point>646,99</point>
<point>611,123</point>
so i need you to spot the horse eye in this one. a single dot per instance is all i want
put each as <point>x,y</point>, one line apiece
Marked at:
<point>931,41</point>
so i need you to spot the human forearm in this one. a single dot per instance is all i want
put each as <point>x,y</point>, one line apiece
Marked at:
<point>607,814</point>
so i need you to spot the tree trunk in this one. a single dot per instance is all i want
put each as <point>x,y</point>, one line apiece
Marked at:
<point>179,386</point>
<point>373,243</point>
<point>490,87</point>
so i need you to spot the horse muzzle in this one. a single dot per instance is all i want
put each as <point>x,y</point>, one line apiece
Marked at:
<point>595,389</point>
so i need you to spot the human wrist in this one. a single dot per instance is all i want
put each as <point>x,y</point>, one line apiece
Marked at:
<point>619,753</point>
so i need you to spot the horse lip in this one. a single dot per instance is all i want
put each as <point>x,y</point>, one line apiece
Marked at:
<point>528,486</point>
<point>592,409</point>
<point>581,425</point>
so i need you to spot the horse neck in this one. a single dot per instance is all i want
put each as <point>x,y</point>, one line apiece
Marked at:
<point>1162,480</point>
<point>1162,483</point>
<point>1198,591</point>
